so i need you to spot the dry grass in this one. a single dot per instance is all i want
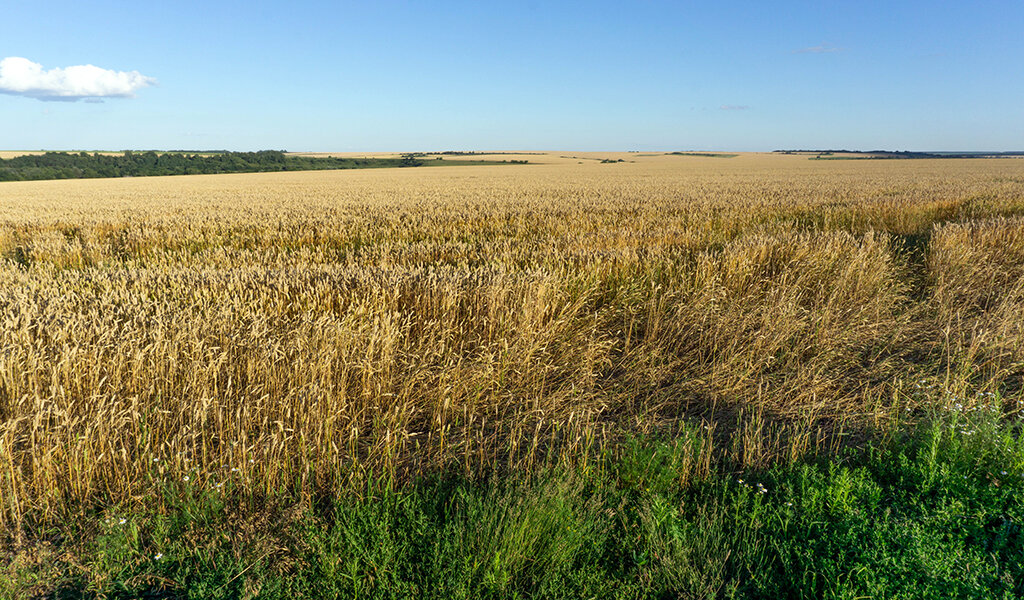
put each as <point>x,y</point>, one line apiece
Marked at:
<point>5,154</point>
<point>307,328</point>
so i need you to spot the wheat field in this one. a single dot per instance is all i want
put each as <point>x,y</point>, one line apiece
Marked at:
<point>298,331</point>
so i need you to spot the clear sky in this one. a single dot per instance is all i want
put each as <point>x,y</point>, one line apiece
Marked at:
<point>625,75</point>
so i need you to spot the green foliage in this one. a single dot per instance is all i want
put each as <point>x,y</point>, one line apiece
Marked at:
<point>411,159</point>
<point>935,512</point>
<point>63,165</point>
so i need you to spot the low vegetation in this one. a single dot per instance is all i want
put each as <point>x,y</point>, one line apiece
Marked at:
<point>930,511</point>
<point>83,165</point>
<point>408,382</point>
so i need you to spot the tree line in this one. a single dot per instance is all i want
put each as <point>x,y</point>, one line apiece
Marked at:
<point>82,165</point>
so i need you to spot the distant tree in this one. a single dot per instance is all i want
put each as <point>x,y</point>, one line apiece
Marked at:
<point>411,160</point>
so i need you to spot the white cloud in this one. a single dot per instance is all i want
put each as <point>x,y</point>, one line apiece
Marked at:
<point>22,77</point>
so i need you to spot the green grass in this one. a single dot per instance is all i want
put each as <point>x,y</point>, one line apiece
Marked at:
<point>933,510</point>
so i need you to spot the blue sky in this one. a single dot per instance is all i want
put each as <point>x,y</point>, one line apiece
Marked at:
<point>626,75</point>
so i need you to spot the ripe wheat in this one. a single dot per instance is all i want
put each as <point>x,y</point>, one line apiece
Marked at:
<point>300,330</point>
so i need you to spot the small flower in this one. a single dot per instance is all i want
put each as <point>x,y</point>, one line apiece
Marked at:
<point>789,504</point>
<point>122,521</point>
<point>235,469</point>
<point>1003,472</point>
<point>185,478</point>
<point>158,556</point>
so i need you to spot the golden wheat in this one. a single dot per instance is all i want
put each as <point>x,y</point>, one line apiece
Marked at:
<point>297,330</point>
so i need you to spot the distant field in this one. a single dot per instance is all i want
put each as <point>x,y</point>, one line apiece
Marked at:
<point>13,153</point>
<point>264,342</point>
<point>705,154</point>
<point>808,280</point>
<point>532,156</point>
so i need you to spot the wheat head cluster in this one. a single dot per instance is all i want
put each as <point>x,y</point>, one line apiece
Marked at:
<point>295,332</point>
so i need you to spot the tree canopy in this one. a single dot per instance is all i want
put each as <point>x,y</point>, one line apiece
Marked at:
<point>64,165</point>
